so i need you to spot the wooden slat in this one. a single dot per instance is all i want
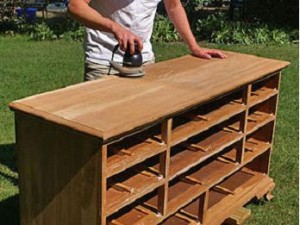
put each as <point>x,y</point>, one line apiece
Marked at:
<point>168,88</point>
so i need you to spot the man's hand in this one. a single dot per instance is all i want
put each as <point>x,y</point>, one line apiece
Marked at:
<point>88,16</point>
<point>207,53</point>
<point>127,39</point>
<point>178,16</point>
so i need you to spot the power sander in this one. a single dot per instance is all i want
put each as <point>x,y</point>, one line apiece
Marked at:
<point>132,63</point>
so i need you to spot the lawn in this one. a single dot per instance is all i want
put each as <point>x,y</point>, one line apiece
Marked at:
<point>28,68</point>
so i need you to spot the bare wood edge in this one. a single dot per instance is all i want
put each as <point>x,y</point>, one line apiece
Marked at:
<point>102,180</point>
<point>219,188</point>
<point>123,188</point>
<point>164,164</point>
<point>56,119</point>
<point>246,100</point>
<point>203,207</point>
<point>274,124</point>
<point>238,217</point>
<point>186,218</point>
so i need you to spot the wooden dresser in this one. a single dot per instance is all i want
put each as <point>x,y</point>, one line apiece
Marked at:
<point>189,143</point>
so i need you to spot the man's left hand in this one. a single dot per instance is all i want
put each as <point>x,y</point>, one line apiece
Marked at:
<point>208,53</point>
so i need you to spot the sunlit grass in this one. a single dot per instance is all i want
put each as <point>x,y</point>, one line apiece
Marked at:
<point>28,68</point>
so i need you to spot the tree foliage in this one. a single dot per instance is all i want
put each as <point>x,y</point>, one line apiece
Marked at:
<point>280,12</point>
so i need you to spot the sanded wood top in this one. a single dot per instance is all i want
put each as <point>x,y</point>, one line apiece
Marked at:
<point>113,106</point>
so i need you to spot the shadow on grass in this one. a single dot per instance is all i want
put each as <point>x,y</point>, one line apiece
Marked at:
<point>8,156</point>
<point>9,208</point>
<point>9,211</point>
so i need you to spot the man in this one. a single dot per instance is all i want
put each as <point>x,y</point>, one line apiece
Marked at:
<point>125,22</point>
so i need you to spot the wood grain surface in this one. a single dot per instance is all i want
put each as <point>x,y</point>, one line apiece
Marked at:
<point>109,107</point>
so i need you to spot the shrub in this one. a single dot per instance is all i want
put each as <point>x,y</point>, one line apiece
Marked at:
<point>58,28</point>
<point>218,29</point>
<point>43,32</point>
<point>163,30</point>
<point>8,20</point>
<point>75,35</point>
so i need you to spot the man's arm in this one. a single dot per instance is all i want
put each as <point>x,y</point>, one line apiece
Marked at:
<point>178,17</point>
<point>86,15</point>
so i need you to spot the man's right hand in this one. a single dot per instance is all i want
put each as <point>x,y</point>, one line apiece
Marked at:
<point>126,39</point>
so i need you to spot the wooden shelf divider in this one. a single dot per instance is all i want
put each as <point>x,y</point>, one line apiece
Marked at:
<point>164,164</point>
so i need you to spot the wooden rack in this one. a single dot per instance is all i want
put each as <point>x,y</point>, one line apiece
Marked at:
<point>197,164</point>
<point>215,153</point>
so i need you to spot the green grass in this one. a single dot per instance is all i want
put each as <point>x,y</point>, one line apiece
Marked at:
<point>28,68</point>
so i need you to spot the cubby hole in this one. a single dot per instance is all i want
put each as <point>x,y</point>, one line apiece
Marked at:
<point>259,141</point>
<point>261,114</point>
<point>207,115</point>
<point>229,187</point>
<point>261,163</point>
<point>188,154</point>
<point>196,210</point>
<point>218,166</point>
<point>134,212</point>
<point>134,149</point>
<point>264,89</point>
<point>135,182</point>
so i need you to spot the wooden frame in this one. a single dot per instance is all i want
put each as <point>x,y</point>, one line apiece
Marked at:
<point>199,163</point>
